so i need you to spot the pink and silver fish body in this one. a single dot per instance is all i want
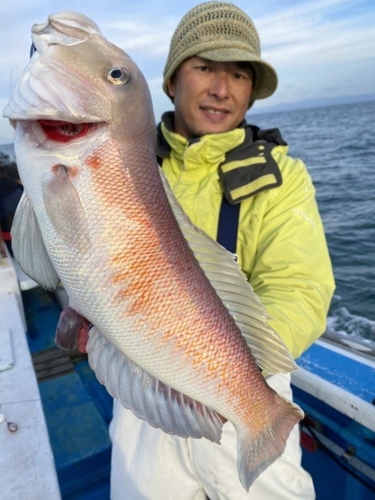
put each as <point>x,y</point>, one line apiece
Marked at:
<point>179,334</point>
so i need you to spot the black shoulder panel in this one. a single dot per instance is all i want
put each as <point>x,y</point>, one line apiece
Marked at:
<point>250,168</point>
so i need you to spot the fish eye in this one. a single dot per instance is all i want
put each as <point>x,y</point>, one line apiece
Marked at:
<point>118,76</point>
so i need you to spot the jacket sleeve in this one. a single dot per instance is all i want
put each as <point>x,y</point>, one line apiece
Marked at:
<point>292,272</point>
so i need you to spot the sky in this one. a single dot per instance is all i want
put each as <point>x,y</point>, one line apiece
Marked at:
<point>321,49</point>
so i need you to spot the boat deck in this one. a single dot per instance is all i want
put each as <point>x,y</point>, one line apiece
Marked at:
<point>26,459</point>
<point>77,407</point>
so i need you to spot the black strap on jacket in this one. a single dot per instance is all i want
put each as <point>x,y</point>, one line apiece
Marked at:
<point>228,225</point>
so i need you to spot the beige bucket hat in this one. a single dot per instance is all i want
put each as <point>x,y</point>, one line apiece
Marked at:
<point>220,31</point>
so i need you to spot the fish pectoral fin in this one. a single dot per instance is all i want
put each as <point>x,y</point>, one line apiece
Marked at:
<point>28,246</point>
<point>68,327</point>
<point>257,452</point>
<point>149,399</point>
<point>236,293</point>
<point>65,210</point>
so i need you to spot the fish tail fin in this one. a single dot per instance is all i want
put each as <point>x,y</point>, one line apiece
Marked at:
<point>257,452</point>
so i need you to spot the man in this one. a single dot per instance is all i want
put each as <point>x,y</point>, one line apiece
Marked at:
<point>237,184</point>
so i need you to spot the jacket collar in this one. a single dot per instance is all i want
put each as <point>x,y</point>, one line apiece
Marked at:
<point>210,148</point>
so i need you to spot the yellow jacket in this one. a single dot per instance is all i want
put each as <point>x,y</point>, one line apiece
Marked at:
<point>281,245</point>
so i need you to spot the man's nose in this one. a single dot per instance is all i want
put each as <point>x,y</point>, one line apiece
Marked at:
<point>219,85</point>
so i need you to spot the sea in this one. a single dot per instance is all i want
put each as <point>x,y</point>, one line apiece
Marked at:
<point>337,144</point>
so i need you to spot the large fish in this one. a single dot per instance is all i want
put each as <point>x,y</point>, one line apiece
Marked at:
<point>179,337</point>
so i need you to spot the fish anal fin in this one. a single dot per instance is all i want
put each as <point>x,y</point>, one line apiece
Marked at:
<point>149,399</point>
<point>28,246</point>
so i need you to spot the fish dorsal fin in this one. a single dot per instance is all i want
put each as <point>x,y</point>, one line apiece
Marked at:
<point>230,283</point>
<point>148,398</point>
<point>28,246</point>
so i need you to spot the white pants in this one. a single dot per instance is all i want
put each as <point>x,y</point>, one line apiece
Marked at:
<point>148,464</point>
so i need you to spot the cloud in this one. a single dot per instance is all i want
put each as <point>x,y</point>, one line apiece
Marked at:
<point>316,33</point>
<point>142,37</point>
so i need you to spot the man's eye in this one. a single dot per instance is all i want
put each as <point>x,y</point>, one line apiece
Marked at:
<point>203,68</point>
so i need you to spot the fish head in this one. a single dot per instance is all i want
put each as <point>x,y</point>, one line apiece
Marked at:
<point>77,83</point>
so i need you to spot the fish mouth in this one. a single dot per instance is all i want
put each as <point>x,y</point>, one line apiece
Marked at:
<point>63,131</point>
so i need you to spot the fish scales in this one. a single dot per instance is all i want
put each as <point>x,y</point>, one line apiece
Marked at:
<point>179,335</point>
<point>169,262</point>
<point>152,272</point>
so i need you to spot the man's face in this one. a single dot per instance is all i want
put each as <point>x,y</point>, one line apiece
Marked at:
<point>209,96</point>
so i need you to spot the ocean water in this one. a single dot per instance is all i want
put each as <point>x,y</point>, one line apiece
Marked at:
<point>337,144</point>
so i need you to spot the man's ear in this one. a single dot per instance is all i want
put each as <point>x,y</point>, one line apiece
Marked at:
<point>171,85</point>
